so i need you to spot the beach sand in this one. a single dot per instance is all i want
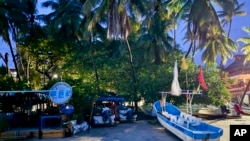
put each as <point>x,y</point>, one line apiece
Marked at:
<point>225,124</point>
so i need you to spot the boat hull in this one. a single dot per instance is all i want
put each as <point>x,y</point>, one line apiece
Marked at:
<point>245,109</point>
<point>185,130</point>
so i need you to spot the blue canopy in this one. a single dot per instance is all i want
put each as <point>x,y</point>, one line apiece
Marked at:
<point>111,98</point>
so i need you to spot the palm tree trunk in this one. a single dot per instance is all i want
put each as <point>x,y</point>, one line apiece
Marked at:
<point>243,96</point>
<point>28,69</point>
<point>22,66</point>
<point>133,75</point>
<point>14,59</point>
<point>229,29</point>
<point>189,49</point>
<point>6,60</point>
<point>94,64</point>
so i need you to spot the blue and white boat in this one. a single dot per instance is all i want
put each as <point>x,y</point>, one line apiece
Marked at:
<point>185,126</point>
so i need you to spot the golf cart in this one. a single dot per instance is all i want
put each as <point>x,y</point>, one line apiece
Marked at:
<point>108,110</point>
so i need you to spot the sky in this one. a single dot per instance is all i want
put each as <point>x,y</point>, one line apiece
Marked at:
<point>236,33</point>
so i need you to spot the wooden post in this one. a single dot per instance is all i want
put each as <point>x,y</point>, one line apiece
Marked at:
<point>243,96</point>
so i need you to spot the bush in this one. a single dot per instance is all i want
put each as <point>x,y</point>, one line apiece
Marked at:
<point>3,124</point>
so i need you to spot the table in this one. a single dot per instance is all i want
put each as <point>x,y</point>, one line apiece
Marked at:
<point>42,119</point>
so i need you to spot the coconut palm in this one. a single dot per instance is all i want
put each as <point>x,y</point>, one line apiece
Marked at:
<point>246,50</point>
<point>70,23</point>
<point>218,45</point>
<point>6,61</point>
<point>155,31</point>
<point>230,9</point>
<point>17,19</point>
<point>246,47</point>
<point>203,23</point>
<point>11,18</point>
<point>117,21</point>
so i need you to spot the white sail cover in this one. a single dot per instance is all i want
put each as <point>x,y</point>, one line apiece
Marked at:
<point>175,88</point>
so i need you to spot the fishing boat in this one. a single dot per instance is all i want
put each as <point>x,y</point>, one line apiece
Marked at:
<point>147,109</point>
<point>211,111</point>
<point>244,108</point>
<point>185,126</point>
<point>195,109</point>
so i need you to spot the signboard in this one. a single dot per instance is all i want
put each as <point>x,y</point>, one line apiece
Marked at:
<point>60,93</point>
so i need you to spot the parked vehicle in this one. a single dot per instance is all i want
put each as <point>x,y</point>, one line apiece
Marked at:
<point>109,110</point>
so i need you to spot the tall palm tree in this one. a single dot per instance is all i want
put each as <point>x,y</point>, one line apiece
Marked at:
<point>16,18</point>
<point>218,45</point>
<point>230,9</point>
<point>203,23</point>
<point>117,21</point>
<point>246,47</point>
<point>27,35</point>
<point>6,61</point>
<point>12,19</point>
<point>155,27</point>
<point>119,28</point>
<point>246,50</point>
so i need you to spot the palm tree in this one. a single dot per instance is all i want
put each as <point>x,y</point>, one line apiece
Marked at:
<point>202,24</point>
<point>115,13</point>
<point>155,28</point>
<point>11,18</point>
<point>17,18</point>
<point>246,50</point>
<point>119,28</point>
<point>6,61</point>
<point>72,27</point>
<point>230,9</point>
<point>218,45</point>
<point>246,47</point>
<point>27,36</point>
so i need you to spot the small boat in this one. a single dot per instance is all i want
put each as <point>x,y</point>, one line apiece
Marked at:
<point>211,111</point>
<point>195,109</point>
<point>185,126</point>
<point>147,109</point>
<point>244,108</point>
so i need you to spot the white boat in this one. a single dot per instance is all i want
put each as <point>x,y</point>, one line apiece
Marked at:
<point>185,126</point>
<point>245,109</point>
<point>211,111</point>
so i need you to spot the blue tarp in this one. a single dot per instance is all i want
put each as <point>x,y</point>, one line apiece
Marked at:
<point>111,98</point>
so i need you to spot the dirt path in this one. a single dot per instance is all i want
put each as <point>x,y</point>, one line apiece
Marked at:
<point>225,124</point>
<point>141,130</point>
<point>145,130</point>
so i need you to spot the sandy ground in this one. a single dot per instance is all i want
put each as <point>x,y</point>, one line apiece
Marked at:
<point>225,124</point>
<point>142,130</point>
<point>145,130</point>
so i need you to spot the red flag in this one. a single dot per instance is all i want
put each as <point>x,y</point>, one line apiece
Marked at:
<point>201,80</point>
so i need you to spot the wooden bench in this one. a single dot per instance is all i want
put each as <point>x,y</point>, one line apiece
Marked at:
<point>14,138</point>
